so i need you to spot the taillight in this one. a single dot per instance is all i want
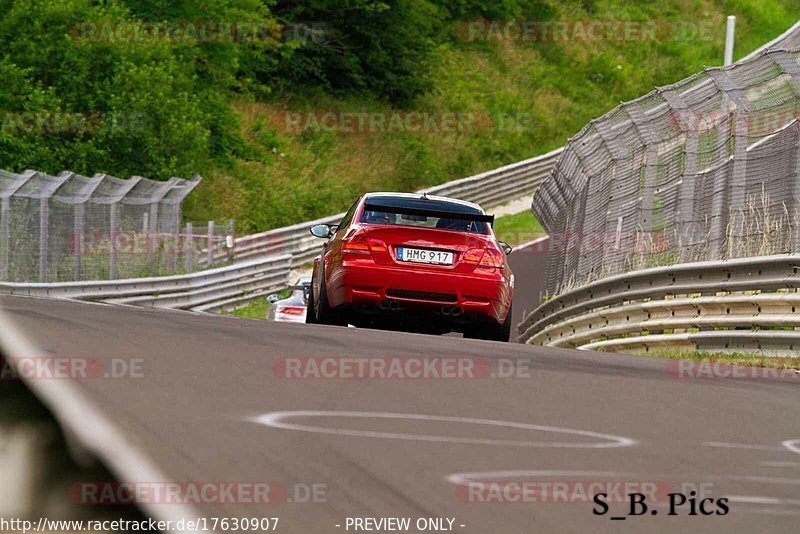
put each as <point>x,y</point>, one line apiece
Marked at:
<point>295,311</point>
<point>376,245</point>
<point>363,245</point>
<point>356,245</point>
<point>493,258</point>
<point>473,255</point>
<point>484,257</point>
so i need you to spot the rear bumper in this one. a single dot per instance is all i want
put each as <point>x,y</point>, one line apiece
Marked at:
<point>478,294</point>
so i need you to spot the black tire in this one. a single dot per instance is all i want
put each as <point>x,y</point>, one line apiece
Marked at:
<point>311,317</point>
<point>502,332</point>
<point>322,308</point>
<point>492,331</point>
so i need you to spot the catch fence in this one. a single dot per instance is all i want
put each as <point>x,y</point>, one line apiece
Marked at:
<point>71,228</point>
<point>704,169</point>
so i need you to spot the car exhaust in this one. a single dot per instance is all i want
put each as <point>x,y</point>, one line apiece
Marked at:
<point>387,304</point>
<point>456,311</point>
<point>446,310</point>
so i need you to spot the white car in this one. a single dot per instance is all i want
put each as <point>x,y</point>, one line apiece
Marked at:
<point>293,308</point>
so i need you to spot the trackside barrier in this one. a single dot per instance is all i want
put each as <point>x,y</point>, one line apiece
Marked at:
<point>89,431</point>
<point>748,305</point>
<point>489,189</point>
<point>203,291</point>
<point>688,172</point>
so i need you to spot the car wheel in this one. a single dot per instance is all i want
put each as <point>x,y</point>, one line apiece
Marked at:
<point>322,308</point>
<point>503,331</point>
<point>492,331</point>
<point>311,317</point>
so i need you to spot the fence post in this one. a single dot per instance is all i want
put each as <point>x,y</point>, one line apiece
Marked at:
<point>153,234</point>
<point>685,219</point>
<point>5,246</point>
<point>210,245</point>
<point>230,242</point>
<point>43,224</point>
<point>730,33</point>
<point>787,63</point>
<point>175,247</point>
<point>189,247</point>
<point>112,232</point>
<point>796,189</point>
<point>77,240</point>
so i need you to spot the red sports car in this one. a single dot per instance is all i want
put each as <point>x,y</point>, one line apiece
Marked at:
<point>409,262</point>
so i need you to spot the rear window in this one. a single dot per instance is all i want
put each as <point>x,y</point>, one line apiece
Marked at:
<point>445,215</point>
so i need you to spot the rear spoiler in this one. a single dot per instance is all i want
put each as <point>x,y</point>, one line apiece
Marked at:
<point>402,210</point>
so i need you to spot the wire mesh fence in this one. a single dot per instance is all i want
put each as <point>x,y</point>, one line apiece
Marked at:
<point>72,228</point>
<point>705,169</point>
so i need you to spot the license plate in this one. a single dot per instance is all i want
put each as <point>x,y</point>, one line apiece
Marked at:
<point>417,255</point>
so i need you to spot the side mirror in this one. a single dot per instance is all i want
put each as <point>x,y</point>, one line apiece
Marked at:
<point>506,247</point>
<point>323,231</point>
<point>272,299</point>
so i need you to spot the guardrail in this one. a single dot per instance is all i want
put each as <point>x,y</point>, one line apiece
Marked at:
<point>748,304</point>
<point>212,290</point>
<point>489,189</point>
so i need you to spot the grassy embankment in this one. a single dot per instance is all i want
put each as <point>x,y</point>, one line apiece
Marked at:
<point>523,99</point>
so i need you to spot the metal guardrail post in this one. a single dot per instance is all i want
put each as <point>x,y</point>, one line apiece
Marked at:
<point>5,246</point>
<point>77,239</point>
<point>230,243</point>
<point>113,225</point>
<point>210,245</point>
<point>188,247</point>
<point>43,227</point>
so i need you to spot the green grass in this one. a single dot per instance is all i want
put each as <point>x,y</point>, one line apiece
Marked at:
<point>518,228</point>
<point>743,359</point>
<point>258,308</point>
<point>529,98</point>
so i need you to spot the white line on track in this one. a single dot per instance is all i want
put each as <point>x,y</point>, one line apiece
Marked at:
<point>531,243</point>
<point>793,445</point>
<point>742,446</point>
<point>766,511</point>
<point>278,420</point>
<point>779,464</point>
<point>463,478</point>
<point>764,480</point>
<point>758,499</point>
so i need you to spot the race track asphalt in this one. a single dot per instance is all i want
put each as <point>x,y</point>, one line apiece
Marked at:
<point>564,419</point>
